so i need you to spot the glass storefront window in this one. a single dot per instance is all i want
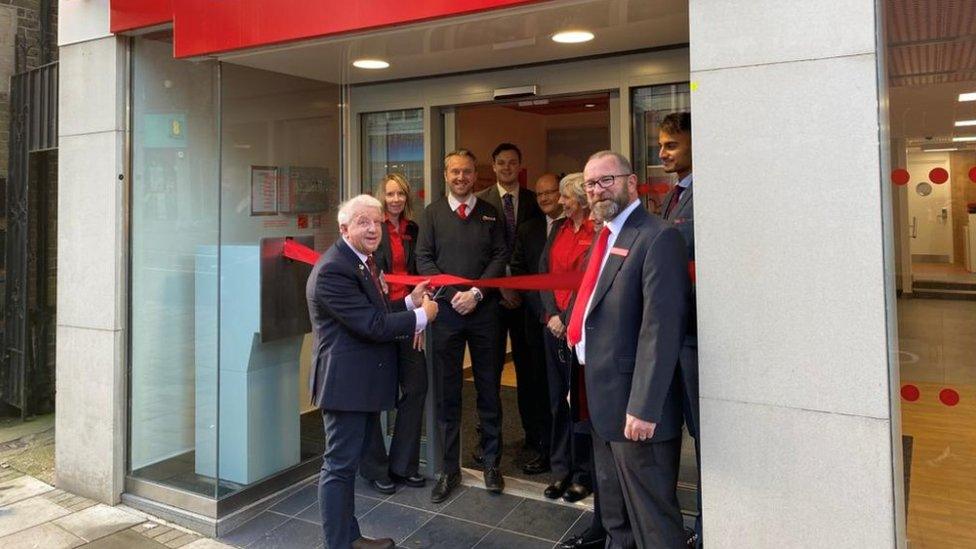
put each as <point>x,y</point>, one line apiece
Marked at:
<point>174,205</point>
<point>649,106</point>
<point>393,141</point>
<point>279,177</point>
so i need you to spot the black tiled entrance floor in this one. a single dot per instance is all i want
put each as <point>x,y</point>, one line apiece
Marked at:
<point>472,517</point>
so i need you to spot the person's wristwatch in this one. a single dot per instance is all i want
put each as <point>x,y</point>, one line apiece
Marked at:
<point>477,294</point>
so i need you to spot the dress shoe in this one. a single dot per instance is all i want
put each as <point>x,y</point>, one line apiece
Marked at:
<point>494,482</point>
<point>556,489</point>
<point>583,542</point>
<point>368,543</point>
<point>414,481</point>
<point>383,486</point>
<point>537,466</point>
<point>576,492</point>
<point>444,486</point>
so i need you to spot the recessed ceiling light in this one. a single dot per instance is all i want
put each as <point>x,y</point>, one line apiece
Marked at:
<point>572,37</point>
<point>371,64</point>
<point>590,105</point>
<point>966,139</point>
<point>961,123</point>
<point>947,149</point>
<point>971,96</point>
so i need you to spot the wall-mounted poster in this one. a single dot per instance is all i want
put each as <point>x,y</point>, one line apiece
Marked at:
<point>264,190</point>
<point>303,190</point>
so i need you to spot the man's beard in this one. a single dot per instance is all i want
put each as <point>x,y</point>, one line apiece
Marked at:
<point>606,210</point>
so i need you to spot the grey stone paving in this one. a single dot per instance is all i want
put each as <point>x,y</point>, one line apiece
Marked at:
<point>35,515</point>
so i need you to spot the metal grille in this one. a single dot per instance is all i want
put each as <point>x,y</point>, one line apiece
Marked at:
<point>33,128</point>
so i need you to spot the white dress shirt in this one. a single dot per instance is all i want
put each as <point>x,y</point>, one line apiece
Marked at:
<point>615,225</point>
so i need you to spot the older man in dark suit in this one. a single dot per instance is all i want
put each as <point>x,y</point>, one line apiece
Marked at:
<point>627,323</point>
<point>354,363</point>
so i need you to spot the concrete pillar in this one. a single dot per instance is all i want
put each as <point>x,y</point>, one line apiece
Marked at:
<point>798,414</point>
<point>90,420</point>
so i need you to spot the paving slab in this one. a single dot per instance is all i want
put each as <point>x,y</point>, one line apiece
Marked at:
<point>97,522</point>
<point>42,536</point>
<point>21,488</point>
<point>28,513</point>
<point>126,539</point>
<point>207,543</point>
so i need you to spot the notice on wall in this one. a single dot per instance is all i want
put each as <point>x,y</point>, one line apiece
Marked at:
<point>264,190</point>
<point>303,189</point>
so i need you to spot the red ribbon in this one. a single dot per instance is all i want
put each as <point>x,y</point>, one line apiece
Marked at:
<point>559,281</point>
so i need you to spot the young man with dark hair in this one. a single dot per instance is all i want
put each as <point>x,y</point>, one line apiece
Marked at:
<point>516,205</point>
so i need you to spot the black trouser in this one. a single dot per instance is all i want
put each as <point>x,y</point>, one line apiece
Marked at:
<point>449,334</point>
<point>637,483</point>
<point>404,458</point>
<point>688,374</point>
<point>530,374</point>
<point>569,451</point>
<point>346,436</point>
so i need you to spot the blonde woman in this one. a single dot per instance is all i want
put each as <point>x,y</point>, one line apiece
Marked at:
<point>396,255</point>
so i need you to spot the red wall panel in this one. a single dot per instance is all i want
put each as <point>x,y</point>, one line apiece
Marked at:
<point>202,27</point>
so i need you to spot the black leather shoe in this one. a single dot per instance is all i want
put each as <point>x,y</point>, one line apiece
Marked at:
<point>414,481</point>
<point>537,466</point>
<point>556,489</point>
<point>367,543</point>
<point>494,482</point>
<point>444,486</point>
<point>582,542</point>
<point>383,486</point>
<point>576,492</point>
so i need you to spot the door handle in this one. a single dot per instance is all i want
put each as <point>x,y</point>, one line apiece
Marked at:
<point>914,226</point>
<point>944,215</point>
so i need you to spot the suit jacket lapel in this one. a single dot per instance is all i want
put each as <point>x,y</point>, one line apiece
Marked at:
<point>683,202</point>
<point>624,241</point>
<point>371,290</point>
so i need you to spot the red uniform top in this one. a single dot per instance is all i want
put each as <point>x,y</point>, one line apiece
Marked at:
<point>399,255</point>
<point>567,252</point>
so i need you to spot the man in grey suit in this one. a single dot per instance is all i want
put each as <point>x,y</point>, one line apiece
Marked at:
<point>354,359</point>
<point>627,323</point>
<point>674,139</point>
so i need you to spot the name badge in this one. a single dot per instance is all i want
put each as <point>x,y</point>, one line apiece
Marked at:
<point>488,218</point>
<point>622,252</point>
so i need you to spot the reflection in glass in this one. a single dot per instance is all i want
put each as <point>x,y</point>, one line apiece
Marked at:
<point>174,271</point>
<point>393,141</point>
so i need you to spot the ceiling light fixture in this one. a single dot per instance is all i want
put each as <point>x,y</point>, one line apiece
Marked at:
<point>971,96</point>
<point>371,64</point>
<point>966,139</point>
<point>947,149</point>
<point>963,123</point>
<point>572,37</point>
<point>590,105</point>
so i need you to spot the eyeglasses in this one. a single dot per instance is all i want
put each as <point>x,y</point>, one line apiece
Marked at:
<point>603,182</point>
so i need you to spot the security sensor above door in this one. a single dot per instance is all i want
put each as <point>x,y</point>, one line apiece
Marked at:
<point>516,92</point>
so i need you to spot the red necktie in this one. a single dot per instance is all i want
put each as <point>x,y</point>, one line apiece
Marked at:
<point>674,201</point>
<point>575,331</point>
<point>462,211</point>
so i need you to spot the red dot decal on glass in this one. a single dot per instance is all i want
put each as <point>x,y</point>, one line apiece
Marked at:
<point>900,176</point>
<point>909,393</point>
<point>420,194</point>
<point>972,174</point>
<point>643,189</point>
<point>938,176</point>
<point>949,397</point>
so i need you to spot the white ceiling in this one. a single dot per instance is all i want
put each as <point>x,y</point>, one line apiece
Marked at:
<point>505,38</point>
<point>931,59</point>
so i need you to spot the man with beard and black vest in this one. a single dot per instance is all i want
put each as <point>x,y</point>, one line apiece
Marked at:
<point>464,236</point>
<point>517,205</point>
